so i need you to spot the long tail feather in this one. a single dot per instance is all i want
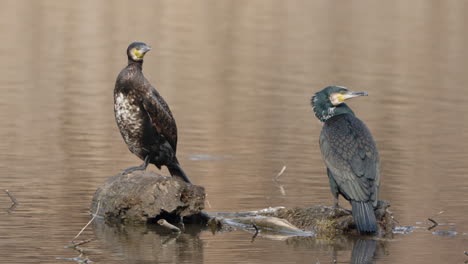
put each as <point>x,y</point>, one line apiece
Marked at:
<point>364,217</point>
<point>176,171</point>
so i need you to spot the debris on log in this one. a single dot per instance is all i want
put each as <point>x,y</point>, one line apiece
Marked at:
<point>145,196</point>
<point>272,223</point>
<point>321,221</point>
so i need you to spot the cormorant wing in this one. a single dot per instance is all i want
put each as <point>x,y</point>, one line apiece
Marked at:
<point>351,156</point>
<point>160,114</point>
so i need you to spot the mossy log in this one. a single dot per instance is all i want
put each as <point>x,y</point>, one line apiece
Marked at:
<point>144,196</point>
<point>320,221</point>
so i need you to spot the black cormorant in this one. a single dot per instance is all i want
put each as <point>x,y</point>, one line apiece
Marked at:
<point>350,155</point>
<point>144,118</point>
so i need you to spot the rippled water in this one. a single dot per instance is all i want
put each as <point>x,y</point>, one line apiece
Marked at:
<point>238,76</point>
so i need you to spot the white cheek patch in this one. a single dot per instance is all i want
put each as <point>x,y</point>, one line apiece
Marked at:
<point>328,113</point>
<point>335,99</point>
<point>133,54</point>
<point>135,58</point>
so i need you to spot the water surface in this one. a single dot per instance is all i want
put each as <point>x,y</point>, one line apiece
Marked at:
<point>238,76</point>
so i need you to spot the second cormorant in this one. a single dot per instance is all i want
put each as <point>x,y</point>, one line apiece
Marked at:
<point>144,118</point>
<point>350,154</point>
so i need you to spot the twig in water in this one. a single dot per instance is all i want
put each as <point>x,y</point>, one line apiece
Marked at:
<point>13,199</point>
<point>82,258</point>
<point>81,242</point>
<point>280,173</point>
<point>170,239</point>
<point>283,192</point>
<point>90,221</point>
<point>12,208</point>
<point>169,226</point>
<point>255,235</point>
<point>434,223</point>
<point>466,253</point>
<point>280,186</point>
<point>207,201</point>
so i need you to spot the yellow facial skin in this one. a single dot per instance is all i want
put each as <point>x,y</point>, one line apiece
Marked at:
<point>137,54</point>
<point>337,98</point>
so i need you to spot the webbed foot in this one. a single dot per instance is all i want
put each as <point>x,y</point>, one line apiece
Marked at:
<point>141,167</point>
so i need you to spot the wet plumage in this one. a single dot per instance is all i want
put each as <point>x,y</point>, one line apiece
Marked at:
<point>144,118</point>
<point>350,155</point>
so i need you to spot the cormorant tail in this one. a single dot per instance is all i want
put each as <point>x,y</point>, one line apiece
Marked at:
<point>363,251</point>
<point>176,171</point>
<point>364,217</point>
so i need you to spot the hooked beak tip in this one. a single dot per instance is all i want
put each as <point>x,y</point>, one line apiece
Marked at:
<point>351,94</point>
<point>359,94</point>
<point>146,49</point>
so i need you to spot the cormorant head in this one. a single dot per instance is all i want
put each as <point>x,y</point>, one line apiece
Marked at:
<point>330,102</point>
<point>137,50</point>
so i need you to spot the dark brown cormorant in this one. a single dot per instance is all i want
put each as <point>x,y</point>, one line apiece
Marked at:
<point>350,154</point>
<point>144,118</point>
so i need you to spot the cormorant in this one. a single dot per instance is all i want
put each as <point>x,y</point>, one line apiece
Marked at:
<point>144,118</point>
<point>350,155</point>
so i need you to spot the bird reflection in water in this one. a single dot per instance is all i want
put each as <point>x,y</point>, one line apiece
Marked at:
<point>151,243</point>
<point>363,252</point>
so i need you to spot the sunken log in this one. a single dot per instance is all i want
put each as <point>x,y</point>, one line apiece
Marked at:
<point>320,221</point>
<point>145,196</point>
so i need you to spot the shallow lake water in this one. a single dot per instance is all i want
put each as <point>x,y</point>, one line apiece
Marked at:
<point>238,76</point>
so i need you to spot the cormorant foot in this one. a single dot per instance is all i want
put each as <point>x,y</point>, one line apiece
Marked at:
<point>336,206</point>
<point>141,167</point>
<point>132,169</point>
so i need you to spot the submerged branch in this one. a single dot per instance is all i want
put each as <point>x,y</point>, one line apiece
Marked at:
<point>321,221</point>
<point>269,210</point>
<point>90,221</point>
<point>280,173</point>
<point>280,186</point>
<point>167,225</point>
<point>13,199</point>
<point>255,235</point>
<point>271,223</point>
<point>81,243</point>
<point>434,223</point>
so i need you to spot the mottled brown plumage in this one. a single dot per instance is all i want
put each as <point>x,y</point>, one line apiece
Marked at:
<point>144,118</point>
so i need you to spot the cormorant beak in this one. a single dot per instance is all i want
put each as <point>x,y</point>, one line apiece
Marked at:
<point>339,98</point>
<point>145,49</point>
<point>352,94</point>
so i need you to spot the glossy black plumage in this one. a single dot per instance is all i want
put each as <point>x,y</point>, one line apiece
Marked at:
<point>350,155</point>
<point>144,118</point>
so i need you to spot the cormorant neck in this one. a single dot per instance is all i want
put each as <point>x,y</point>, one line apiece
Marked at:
<point>326,111</point>
<point>137,64</point>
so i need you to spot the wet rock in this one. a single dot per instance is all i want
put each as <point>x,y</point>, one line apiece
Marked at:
<point>144,196</point>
